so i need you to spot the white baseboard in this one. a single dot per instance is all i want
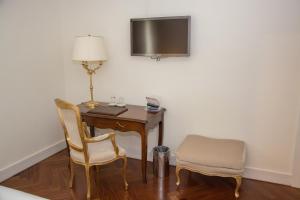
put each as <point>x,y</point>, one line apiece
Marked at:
<point>268,175</point>
<point>250,172</point>
<point>30,160</point>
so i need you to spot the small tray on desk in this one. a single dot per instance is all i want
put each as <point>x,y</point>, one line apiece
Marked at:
<point>108,110</point>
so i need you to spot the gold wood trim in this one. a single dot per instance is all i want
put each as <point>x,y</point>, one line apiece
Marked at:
<point>97,139</point>
<point>177,175</point>
<point>208,173</point>
<point>238,178</point>
<point>87,133</point>
<point>119,124</point>
<point>113,141</point>
<point>73,146</point>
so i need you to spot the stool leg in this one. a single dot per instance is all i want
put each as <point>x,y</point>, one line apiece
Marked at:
<point>177,175</point>
<point>238,180</point>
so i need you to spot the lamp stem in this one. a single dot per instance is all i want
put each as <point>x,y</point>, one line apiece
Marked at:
<point>91,86</point>
<point>90,71</point>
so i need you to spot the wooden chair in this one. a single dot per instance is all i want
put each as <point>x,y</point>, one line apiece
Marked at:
<point>84,150</point>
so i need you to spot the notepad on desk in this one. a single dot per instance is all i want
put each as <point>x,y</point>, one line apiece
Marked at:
<point>108,110</point>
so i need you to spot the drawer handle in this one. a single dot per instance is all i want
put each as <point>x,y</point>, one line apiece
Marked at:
<point>122,126</point>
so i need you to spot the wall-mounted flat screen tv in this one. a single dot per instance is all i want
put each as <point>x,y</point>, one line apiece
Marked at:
<point>161,36</point>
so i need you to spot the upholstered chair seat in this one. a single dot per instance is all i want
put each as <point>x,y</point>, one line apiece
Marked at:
<point>99,153</point>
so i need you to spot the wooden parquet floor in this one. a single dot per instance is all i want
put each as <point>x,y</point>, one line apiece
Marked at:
<point>49,179</point>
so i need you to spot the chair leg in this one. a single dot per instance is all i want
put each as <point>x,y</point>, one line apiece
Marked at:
<point>177,175</point>
<point>71,165</point>
<point>98,169</point>
<point>95,171</point>
<point>88,181</point>
<point>124,172</point>
<point>238,180</point>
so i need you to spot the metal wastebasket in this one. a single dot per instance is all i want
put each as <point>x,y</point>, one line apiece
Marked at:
<point>161,156</point>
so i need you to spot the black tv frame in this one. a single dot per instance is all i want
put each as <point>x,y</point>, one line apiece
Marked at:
<point>158,56</point>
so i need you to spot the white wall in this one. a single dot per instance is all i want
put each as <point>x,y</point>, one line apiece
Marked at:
<point>296,167</point>
<point>31,76</point>
<point>241,80</point>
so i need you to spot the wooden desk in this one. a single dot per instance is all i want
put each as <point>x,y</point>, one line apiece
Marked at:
<point>135,119</point>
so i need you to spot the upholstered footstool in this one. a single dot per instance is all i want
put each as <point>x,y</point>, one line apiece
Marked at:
<point>212,157</point>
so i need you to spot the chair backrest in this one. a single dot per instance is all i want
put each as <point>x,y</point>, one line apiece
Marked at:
<point>70,119</point>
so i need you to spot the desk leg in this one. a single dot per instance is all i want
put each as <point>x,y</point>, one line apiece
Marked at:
<point>161,132</point>
<point>92,131</point>
<point>144,143</point>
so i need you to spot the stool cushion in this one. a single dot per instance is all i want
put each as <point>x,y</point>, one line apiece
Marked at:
<point>212,155</point>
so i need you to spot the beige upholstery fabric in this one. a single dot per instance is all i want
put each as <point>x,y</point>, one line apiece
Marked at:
<point>99,152</point>
<point>71,125</point>
<point>212,155</point>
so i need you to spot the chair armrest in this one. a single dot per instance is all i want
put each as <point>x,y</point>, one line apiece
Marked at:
<point>85,129</point>
<point>111,136</point>
<point>98,138</point>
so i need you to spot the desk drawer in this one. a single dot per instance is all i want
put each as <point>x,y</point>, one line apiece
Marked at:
<point>120,125</point>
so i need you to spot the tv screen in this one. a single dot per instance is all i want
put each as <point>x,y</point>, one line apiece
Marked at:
<point>160,37</point>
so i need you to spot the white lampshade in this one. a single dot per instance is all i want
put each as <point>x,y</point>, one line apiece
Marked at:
<point>89,48</point>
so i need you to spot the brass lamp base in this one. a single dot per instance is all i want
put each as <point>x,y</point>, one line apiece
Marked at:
<point>92,104</point>
<point>90,71</point>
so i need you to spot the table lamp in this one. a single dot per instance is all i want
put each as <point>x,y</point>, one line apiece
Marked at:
<point>90,51</point>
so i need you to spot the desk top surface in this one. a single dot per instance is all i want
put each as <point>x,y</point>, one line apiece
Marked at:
<point>134,113</point>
